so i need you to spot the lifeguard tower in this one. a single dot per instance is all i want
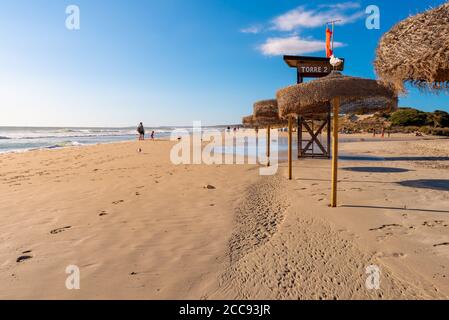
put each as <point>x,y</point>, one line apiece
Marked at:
<point>313,124</point>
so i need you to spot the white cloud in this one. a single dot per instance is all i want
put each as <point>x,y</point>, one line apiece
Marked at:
<point>252,29</point>
<point>293,45</point>
<point>305,18</point>
<point>342,6</point>
<point>286,25</point>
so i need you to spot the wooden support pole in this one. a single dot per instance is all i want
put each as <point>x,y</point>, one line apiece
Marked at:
<point>290,149</point>
<point>268,145</point>
<point>257,143</point>
<point>328,119</point>
<point>336,110</point>
<point>299,137</point>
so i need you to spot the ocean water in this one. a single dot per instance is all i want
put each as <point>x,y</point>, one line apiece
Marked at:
<point>31,138</point>
<point>19,139</point>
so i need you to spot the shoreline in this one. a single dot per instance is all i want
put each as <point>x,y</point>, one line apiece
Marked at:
<point>344,138</point>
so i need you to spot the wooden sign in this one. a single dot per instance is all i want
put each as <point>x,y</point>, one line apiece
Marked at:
<point>312,67</point>
<point>315,68</point>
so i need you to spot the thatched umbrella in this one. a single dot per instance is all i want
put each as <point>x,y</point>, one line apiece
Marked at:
<point>315,97</point>
<point>416,51</point>
<point>330,89</point>
<point>266,114</point>
<point>266,109</point>
<point>248,121</point>
<point>369,105</point>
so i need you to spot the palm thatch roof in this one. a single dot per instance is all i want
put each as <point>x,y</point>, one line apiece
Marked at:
<point>416,51</point>
<point>266,108</point>
<point>370,105</point>
<point>314,97</point>
<point>266,113</point>
<point>248,122</point>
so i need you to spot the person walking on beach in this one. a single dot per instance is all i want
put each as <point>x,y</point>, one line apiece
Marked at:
<point>141,131</point>
<point>152,135</point>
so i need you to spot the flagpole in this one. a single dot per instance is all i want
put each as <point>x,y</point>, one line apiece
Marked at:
<point>333,28</point>
<point>333,24</point>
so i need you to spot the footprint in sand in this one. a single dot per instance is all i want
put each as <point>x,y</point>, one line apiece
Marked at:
<point>386,227</point>
<point>59,230</point>
<point>437,275</point>
<point>23,258</point>
<point>103,213</point>
<point>435,223</point>
<point>118,201</point>
<point>441,244</point>
<point>390,230</point>
<point>398,255</point>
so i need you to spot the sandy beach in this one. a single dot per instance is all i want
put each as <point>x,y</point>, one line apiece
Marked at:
<point>139,227</point>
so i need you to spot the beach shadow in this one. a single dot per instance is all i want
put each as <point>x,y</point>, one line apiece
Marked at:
<point>360,158</point>
<point>394,208</point>
<point>434,184</point>
<point>381,159</point>
<point>417,159</point>
<point>375,169</point>
<point>345,181</point>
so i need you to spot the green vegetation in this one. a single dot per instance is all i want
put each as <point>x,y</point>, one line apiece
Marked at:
<point>408,117</point>
<point>432,123</point>
<point>411,117</point>
<point>406,120</point>
<point>439,119</point>
<point>435,131</point>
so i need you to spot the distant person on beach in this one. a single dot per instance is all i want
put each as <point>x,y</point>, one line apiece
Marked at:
<point>152,135</point>
<point>141,131</point>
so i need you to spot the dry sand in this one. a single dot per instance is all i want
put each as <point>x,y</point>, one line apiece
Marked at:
<point>140,227</point>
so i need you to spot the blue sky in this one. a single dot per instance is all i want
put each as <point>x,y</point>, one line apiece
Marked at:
<point>172,62</point>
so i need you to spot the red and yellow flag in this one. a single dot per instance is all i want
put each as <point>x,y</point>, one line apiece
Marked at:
<point>328,42</point>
